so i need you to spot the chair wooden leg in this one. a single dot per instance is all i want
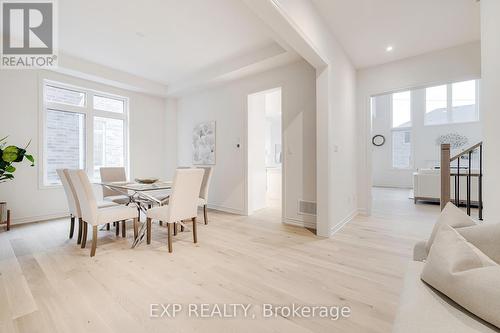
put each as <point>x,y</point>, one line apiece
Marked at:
<point>205,216</point>
<point>124,229</point>
<point>175,229</point>
<point>182,228</point>
<point>148,225</point>
<point>72,227</point>
<point>117,228</point>
<point>195,236</point>
<point>84,234</point>
<point>161,223</point>
<point>94,241</point>
<point>80,226</point>
<point>136,228</point>
<point>107,226</point>
<point>169,226</point>
<point>8,219</point>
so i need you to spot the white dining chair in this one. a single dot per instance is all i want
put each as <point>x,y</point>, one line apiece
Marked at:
<point>205,184</point>
<point>113,174</point>
<point>73,204</point>
<point>182,204</point>
<point>70,198</point>
<point>92,215</point>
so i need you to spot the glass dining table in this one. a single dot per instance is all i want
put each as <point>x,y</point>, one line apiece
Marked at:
<point>143,196</point>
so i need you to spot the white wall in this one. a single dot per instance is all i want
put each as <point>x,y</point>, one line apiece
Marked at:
<point>490,47</point>
<point>256,159</point>
<point>227,105</point>
<point>336,115</point>
<point>425,152</point>
<point>19,111</point>
<point>455,64</point>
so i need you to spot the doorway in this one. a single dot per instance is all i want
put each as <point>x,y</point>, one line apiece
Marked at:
<point>264,159</point>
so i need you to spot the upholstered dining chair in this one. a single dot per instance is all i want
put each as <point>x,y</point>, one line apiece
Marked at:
<point>182,204</point>
<point>205,184</point>
<point>93,216</point>
<point>113,174</point>
<point>73,204</point>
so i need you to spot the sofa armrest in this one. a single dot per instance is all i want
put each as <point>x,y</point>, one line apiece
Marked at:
<point>420,251</point>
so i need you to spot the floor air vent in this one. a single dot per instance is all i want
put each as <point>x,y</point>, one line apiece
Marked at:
<point>307,207</point>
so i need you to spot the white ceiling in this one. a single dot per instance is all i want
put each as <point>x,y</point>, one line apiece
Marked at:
<point>366,27</point>
<point>162,40</point>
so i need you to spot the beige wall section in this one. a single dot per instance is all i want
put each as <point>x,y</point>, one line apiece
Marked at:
<point>20,120</point>
<point>227,105</point>
<point>490,106</point>
<point>454,64</point>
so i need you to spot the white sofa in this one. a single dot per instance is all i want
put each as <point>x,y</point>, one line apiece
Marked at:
<point>427,186</point>
<point>422,309</point>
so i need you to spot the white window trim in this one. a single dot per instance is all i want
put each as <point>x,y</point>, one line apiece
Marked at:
<point>89,113</point>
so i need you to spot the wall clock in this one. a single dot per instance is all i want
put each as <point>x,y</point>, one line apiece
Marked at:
<point>378,140</point>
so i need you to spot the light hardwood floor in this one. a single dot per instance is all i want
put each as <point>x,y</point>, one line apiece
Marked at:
<point>48,284</point>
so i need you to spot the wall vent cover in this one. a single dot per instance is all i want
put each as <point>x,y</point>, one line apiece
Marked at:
<point>307,207</point>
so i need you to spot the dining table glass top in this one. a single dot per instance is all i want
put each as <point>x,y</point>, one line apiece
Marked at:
<point>138,187</point>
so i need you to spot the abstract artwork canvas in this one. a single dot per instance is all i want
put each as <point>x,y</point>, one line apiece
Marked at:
<point>204,143</point>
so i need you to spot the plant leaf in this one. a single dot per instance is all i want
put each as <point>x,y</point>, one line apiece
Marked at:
<point>10,154</point>
<point>31,159</point>
<point>10,168</point>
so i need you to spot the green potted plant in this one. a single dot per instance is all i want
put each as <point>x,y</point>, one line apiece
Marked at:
<point>8,156</point>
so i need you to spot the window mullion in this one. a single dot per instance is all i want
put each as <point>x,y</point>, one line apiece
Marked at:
<point>107,114</point>
<point>449,103</point>
<point>90,136</point>
<point>64,107</point>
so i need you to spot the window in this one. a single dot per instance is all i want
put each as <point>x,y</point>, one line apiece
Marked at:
<point>401,130</point>
<point>67,127</point>
<point>75,119</point>
<point>451,103</point>
<point>401,149</point>
<point>436,101</point>
<point>464,102</point>
<point>108,143</point>
<point>401,109</point>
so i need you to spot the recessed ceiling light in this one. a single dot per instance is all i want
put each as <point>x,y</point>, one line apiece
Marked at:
<point>389,48</point>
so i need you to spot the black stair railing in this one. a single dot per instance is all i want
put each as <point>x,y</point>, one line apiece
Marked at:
<point>446,173</point>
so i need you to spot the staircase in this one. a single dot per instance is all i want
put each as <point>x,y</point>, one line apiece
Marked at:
<point>456,172</point>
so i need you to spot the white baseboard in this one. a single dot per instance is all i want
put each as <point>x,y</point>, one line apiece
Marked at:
<point>299,223</point>
<point>40,218</point>
<point>363,211</point>
<point>226,209</point>
<point>346,220</point>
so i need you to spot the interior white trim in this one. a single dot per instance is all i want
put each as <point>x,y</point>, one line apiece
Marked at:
<point>346,220</point>
<point>39,218</point>
<point>226,209</point>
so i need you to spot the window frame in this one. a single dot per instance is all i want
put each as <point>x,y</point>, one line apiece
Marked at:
<point>449,103</point>
<point>401,129</point>
<point>89,113</point>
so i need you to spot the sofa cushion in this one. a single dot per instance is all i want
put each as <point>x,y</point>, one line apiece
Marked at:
<point>422,309</point>
<point>464,273</point>
<point>452,216</point>
<point>485,237</point>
